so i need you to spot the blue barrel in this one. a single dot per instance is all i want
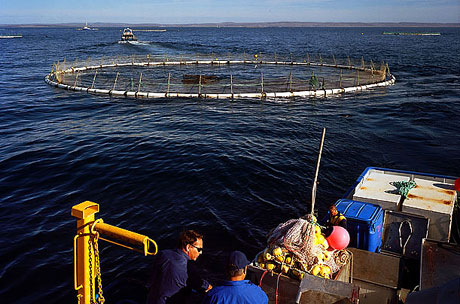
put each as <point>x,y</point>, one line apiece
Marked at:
<point>364,223</point>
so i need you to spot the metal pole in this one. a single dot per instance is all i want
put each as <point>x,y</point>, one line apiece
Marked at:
<point>340,79</point>
<point>313,190</point>
<point>86,268</point>
<point>169,83</point>
<point>58,72</point>
<point>262,82</point>
<point>290,81</point>
<point>199,87</point>
<point>76,77</point>
<point>84,282</point>
<point>140,82</point>
<point>115,82</point>
<point>126,236</point>
<point>94,79</point>
<point>231,84</point>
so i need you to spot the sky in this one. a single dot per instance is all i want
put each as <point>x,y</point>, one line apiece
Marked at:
<point>211,11</point>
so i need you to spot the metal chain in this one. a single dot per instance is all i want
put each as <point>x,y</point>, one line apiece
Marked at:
<point>98,269</point>
<point>90,271</point>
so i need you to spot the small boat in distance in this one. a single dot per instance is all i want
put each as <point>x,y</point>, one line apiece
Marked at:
<point>127,36</point>
<point>87,28</point>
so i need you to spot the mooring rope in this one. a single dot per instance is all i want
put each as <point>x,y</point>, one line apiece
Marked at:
<point>404,187</point>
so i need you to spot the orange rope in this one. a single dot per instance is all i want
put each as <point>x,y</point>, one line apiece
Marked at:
<point>261,278</point>
<point>276,292</point>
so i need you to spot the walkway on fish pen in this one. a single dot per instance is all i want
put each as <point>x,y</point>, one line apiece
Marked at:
<point>219,76</point>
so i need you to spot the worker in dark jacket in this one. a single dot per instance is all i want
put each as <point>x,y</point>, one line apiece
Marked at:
<point>336,218</point>
<point>174,276</point>
<point>236,290</point>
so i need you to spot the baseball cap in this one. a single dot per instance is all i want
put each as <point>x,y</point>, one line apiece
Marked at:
<point>237,260</point>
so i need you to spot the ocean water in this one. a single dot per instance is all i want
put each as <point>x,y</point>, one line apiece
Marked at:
<point>230,169</point>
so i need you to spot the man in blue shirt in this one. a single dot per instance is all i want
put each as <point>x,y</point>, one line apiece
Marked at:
<point>174,276</point>
<point>236,290</point>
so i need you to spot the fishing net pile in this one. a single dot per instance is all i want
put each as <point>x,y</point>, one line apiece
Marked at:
<point>297,247</point>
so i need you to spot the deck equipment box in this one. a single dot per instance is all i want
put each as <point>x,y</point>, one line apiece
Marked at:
<point>439,264</point>
<point>377,276</point>
<point>433,197</point>
<point>364,223</point>
<point>374,186</point>
<point>403,233</point>
<point>282,289</point>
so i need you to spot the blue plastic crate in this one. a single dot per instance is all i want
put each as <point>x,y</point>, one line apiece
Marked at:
<point>364,223</point>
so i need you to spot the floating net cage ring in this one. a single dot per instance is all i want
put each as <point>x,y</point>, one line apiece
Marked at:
<point>217,78</point>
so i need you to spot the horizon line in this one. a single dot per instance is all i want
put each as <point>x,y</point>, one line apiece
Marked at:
<point>240,24</point>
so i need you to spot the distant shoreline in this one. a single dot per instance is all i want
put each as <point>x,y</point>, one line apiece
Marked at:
<point>243,24</point>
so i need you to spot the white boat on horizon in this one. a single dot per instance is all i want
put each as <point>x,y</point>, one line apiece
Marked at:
<point>87,28</point>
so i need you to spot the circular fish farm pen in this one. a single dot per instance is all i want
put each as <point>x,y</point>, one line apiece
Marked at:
<point>219,77</point>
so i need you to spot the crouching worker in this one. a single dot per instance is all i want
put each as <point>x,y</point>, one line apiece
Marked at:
<point>236,289</point>
<point>336,218</point>
<point>174,275</point>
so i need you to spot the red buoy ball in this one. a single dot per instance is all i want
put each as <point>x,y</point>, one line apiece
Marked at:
<point>339,238</point>
<point>457,184</point>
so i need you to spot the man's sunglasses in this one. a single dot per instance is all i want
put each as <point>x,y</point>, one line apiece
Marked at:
<point>199,249</point>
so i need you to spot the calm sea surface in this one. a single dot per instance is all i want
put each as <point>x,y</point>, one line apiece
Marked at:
<point>231,169</point>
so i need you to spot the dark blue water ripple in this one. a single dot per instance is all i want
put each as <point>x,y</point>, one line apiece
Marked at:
<point>232,169</point>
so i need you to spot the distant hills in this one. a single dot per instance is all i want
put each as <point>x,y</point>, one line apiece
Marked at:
<point>245,24</point>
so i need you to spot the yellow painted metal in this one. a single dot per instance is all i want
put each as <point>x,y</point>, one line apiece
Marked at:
<point>87,228</point>
<point>126,236</point>
<point>75,279</point>
<point>84,209</point>
<point>84,213</point>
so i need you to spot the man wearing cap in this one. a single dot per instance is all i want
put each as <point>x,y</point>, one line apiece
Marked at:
<point>236,290</point>
<point>174,276</point>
